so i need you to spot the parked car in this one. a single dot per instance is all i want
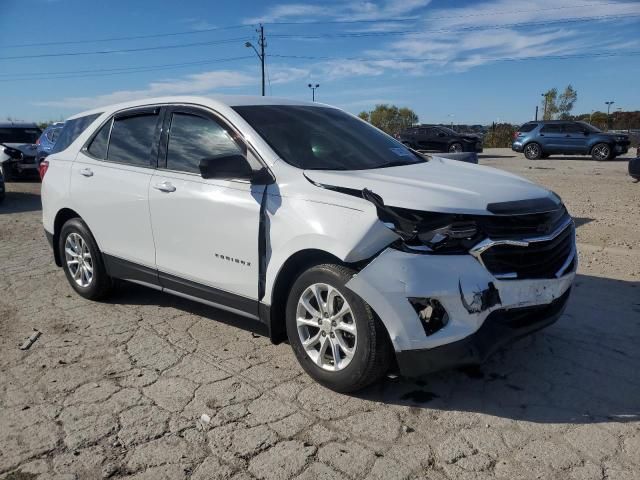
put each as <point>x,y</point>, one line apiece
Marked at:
<point>440,139</point>
<point>18,150</point>
<point>544,138</point>
<point>331,233</point>
<point>2,188</point>
<point>634,166</point>
<point>47,140</point>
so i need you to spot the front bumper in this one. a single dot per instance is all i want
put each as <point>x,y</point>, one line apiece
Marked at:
<point>500,328</point>
<point>457,282</point>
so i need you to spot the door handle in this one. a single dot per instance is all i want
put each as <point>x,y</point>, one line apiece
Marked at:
<point>165,187</point>
<point>87,172</point>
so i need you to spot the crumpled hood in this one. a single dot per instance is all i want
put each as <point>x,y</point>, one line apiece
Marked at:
<point>439,185</point>
<point>27,149</point>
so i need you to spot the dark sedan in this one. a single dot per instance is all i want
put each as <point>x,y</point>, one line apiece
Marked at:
<point>440,139</point>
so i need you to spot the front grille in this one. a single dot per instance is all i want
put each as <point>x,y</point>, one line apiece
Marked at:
<point>530,225</point>
<point>536,260</point>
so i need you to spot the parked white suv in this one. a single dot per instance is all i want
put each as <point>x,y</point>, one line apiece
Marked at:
<point>336,236</point>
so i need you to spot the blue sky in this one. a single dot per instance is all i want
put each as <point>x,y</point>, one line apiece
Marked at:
<point>450,61</point>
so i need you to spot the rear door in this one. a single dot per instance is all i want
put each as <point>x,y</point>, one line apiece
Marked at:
<point>109,187</point>
<point>574,138</point>
<point>552,138</point>
<point>206,230</point>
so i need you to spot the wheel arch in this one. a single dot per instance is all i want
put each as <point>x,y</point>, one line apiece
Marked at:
<point>289,271</point>
<point>63,215</point>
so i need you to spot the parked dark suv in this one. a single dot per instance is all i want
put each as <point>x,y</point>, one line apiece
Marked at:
<point>440,139</point>
<point>544,138</point>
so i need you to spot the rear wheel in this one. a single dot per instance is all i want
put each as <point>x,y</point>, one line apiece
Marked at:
<point>601,151</point>
<point>533,151</point>
<point>334,334</point>
<point>82,261</point>
<point>455,148</point>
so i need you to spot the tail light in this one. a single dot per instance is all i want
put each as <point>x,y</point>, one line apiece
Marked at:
<point>515,135</point>
<point>38,141</point>
<point>42,168</point>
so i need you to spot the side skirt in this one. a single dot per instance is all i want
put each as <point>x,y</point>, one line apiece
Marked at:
<point>130,271</point>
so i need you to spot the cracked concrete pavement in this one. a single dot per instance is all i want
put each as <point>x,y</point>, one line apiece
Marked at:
<point>117,389</point>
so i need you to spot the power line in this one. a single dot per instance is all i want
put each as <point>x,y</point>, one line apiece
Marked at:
<point>488,59</point>
<point>126,50</point>
<point>119,71</point>
<point>133,37</point>
<point>469,28</point>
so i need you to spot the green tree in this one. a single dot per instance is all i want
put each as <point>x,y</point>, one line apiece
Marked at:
<point>364,116</point>
<point>390,119</point>
<point>499,136</point>
<point>549,105</point>
<point>566,102</point>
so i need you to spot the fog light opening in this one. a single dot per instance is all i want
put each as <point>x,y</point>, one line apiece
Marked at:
<point>431,313</point>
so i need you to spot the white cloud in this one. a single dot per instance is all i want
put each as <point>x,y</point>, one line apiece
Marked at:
<point>344,10</point>
<point>197,83</point>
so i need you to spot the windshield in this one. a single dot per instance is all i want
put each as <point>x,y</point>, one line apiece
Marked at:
<point>19,135</point>
<point>323,138</point>
<point>589,128</point>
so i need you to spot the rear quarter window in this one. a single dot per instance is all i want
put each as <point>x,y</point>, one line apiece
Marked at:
<point>527,127</point>
<point>72,130</point>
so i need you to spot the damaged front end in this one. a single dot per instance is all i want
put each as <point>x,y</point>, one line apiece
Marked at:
<point>453,288</point>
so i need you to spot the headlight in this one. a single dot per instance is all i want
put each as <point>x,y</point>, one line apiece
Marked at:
<point>457,237</point>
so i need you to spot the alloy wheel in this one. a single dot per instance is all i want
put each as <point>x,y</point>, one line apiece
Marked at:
<point>601,151</point>
<point>78,258</point>
<point>532,150</point>
<point>326,327</point>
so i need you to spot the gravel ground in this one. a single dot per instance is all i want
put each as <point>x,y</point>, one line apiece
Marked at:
<point>117,389</point>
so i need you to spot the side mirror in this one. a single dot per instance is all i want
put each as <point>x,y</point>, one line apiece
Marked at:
<point>226,167</point>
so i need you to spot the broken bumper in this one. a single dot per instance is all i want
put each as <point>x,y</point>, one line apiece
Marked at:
<point>479,306</point>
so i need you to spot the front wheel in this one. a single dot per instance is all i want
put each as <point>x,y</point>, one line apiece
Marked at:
<point>334,334</point>
<point>601,151</point>
<point>533,151</point>
<point>82,261</point>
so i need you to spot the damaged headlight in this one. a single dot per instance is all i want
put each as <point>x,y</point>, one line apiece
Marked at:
<point>455,237</point>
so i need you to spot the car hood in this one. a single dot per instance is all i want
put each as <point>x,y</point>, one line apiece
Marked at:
<point>439,185</point>
<point>27,149</point>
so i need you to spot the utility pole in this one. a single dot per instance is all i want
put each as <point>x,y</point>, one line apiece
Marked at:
<point>536,113</point>
<point>262,44</point>
<point>313,91</point>
<point>608,109</point>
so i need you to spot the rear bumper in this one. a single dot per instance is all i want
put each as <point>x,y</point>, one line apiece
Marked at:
<point>517,147</point>
<point>500,328</point>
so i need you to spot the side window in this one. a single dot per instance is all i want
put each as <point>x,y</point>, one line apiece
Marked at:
<point>132,138</point>
<point>72,130</point>
<point>551,128</point>
<point>98,146</point>
<point>429,132</point>
<point>527,127</point>
<point>572,128</point>
<point>193,138</point>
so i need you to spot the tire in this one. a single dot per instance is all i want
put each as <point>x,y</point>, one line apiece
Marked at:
<point>455,147</point>
<point>76,235</point>
<point>601,151</point>
<point>370,348</point>
<point>533,151</point>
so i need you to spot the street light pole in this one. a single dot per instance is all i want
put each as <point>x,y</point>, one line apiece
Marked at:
<point>260,54</point>
<point>608,109</point>
<point>313,90</point>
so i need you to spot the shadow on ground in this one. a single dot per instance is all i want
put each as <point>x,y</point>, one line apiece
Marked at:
<point>583,369</point>
<point>19,202</point>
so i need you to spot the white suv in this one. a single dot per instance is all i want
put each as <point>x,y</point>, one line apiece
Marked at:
<point>333,234</point>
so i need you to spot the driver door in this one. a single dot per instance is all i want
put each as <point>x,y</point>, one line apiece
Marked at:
<point>205,230</point>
